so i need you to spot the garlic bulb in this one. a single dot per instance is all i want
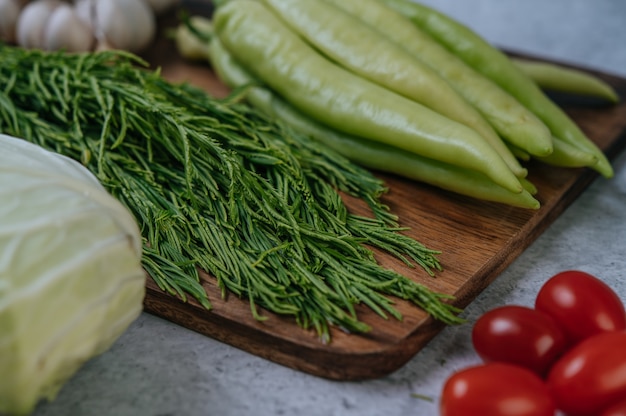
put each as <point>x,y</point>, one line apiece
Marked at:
<point>81,25</point>
<point>123,24</point>
<point>139,18</point>
<point>31,23</point>
<point>65,30</point>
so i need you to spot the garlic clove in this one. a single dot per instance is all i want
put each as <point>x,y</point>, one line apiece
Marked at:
<point>65,30</point>
<point>143,20</point>
<point>110,24</point>
<point>85,10</point>
<point>125,24</point>
<point>32,22</point>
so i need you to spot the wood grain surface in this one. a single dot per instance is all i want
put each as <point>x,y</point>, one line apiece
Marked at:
<point>478,241</point>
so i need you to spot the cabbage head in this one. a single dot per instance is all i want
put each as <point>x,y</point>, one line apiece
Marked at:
<point>71,280</point>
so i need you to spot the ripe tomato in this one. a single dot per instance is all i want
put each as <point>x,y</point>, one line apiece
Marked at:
<point>496,389</point>
<point>582,305</point>
<point>518,335</point>
<point>590,376</point>
<point>616,409</point>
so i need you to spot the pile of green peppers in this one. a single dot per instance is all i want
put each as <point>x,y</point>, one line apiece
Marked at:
<point>399,87</point>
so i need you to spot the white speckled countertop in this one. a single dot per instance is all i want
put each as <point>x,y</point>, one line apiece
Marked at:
<point>160,369</point>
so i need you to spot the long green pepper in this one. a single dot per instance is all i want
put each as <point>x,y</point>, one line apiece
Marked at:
<point>216,186</point>
<point>556,77</point>
<point>495,65</point>
<point>513,122</point>
<point>361,49</point>
<point>342,100</point>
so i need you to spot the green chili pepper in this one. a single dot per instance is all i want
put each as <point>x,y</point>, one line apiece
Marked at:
<point>495,65</point>
<point>344,101</point>
<point>364,152</point>
<point>561,78</point>
<point>511,120</point>
<point>566,155</point>
<point>361,49</point>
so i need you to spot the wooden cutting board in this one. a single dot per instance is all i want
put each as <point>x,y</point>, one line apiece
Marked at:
<point>478,241</point>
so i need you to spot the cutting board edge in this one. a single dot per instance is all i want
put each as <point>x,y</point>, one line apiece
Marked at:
<point>324,361</point>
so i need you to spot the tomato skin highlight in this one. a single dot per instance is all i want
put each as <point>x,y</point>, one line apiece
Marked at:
<point>582,305</point>
<point>519,335</point>
<point>591,376</point>
<point>496,389</point>
<point>616,409</point>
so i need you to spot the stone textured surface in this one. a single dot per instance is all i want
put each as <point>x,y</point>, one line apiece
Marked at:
<point>159,369</point>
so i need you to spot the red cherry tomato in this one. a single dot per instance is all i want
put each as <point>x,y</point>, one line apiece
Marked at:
<point>518,335</point>
<point>496,389</point>
<point>582,305</point>
<point>616,409</point>
<point>590,376</point>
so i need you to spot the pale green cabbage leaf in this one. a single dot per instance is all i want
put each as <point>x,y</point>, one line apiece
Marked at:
<point>71,280</point>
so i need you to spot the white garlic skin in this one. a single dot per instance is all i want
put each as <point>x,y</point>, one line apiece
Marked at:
<point>32,23</point>
<point>65,30</point>
<point>123,24</point>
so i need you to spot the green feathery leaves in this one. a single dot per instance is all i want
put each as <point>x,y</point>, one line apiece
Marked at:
<point>216,186</point>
